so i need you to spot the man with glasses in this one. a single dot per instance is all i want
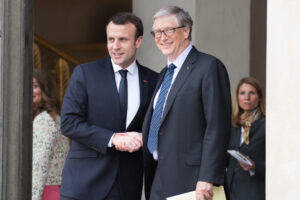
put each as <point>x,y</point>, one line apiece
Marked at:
<point>187,125</point>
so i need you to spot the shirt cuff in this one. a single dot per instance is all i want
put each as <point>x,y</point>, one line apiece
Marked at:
<point>110,141</point>
<point>251,172</point>
<point>155,155</point>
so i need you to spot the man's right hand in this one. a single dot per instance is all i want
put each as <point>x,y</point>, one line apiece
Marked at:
<point>204,191</point>
<point>129,141</point>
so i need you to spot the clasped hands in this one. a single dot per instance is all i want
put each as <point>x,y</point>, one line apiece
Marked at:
<point>129,141</point>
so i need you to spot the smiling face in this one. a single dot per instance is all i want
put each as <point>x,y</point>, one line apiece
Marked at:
<point>248,97</point>
<point>37,94</point>
<point>121,43</point>
<point>173,45</point>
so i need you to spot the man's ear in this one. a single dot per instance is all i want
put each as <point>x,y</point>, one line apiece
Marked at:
<point>187,31</point>
<point>138,42</point>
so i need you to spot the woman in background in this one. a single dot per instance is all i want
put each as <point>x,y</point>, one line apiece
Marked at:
<point>244,182</point>
<point>50,147</point>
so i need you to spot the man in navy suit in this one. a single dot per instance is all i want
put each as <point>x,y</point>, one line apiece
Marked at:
<point>102,113</point>
<point>187,125</point>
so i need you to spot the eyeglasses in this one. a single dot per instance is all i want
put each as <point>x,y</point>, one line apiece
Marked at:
<point>167,32</point>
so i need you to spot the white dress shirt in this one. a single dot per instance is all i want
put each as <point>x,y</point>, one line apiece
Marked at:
<point>133,87</point>
<point>178,62</point>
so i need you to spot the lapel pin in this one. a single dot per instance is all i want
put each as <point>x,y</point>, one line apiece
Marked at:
<point>145,81</point>
<point>187,67</point>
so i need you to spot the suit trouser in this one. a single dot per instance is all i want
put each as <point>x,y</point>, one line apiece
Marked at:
<point>114,193</point>
<point>156,187</point>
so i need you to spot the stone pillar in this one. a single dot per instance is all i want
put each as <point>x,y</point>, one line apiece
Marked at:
<point>223,30</point>
<point>1,99</point>
<point>258,40</point>
<point>283,97</point>
<point>16,98</point>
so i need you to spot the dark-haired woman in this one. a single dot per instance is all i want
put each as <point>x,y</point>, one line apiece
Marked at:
<point>247,182</point>
<point>50,147</point>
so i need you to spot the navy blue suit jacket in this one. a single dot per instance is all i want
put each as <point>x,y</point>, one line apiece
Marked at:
<point>90,115</point>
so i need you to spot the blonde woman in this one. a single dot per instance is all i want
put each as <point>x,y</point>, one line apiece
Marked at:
<point>247,136</point>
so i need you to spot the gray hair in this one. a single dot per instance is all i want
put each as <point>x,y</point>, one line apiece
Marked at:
<point>182,16</point>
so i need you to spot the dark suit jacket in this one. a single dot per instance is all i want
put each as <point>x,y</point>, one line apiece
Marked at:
<point>239,184</point>
<point>195,127</point>
<point>90,115</point>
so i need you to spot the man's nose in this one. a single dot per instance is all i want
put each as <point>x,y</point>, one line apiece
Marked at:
<point>116,44</point>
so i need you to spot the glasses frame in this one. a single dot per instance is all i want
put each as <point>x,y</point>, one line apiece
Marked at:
<point>167,32</point>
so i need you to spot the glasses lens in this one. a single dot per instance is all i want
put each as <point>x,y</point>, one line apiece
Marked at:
<point>157,34</point>
<point>167,32</point>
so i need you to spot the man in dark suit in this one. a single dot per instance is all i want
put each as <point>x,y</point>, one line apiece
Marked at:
<point>102,112</point>
<point>187,125</point>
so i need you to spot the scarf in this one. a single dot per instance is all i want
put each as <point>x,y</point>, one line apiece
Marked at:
<point>246,120</point>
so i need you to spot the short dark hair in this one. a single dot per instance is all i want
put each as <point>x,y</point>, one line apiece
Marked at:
<point>123,18</point>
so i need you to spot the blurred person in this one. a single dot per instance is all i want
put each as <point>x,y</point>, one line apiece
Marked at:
<point>102,112</point>
<point>50,147</point>
<point>187,126</point>
<point>247,136</point>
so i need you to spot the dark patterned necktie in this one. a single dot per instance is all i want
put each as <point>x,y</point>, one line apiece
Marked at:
<point>158,110</point>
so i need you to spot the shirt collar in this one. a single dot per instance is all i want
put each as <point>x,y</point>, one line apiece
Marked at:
<point>132,69</point>
<point>178,62</point>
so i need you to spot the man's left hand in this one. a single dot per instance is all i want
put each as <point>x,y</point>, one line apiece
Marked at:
<point>204,191</point>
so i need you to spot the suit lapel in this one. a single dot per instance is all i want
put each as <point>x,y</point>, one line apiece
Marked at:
<point>149,113</point>
<point>237,137</point>
<point>144,87</point>
<point>184,72</point>
<point>159,81</point>
<point>112,87</point>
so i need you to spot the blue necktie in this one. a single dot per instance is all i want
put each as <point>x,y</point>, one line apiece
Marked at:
<point>123,96</point>
<point>159,107</point>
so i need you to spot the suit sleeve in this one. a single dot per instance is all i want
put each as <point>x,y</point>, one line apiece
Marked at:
<point>73,115</point>
<point>259,158</point>
<point>260,171</point>
<point>217,110</point>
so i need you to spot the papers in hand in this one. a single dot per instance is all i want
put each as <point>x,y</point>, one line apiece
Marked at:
<point>219,194</point>
<point>239,156</point>
<point>185,196</point>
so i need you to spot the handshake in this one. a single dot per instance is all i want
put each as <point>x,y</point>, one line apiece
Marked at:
<point>129,141</point>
